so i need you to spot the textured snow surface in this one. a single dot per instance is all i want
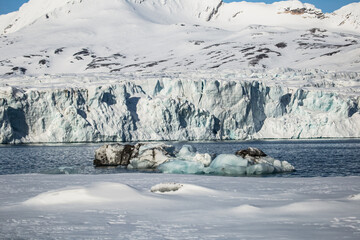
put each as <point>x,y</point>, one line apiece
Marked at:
<point>123,207</point>
<point>282,103</point>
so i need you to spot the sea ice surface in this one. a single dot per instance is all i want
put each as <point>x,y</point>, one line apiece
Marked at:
<point>121,206</point>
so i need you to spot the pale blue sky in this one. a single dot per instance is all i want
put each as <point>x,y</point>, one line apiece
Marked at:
<point>7,6</point>
<point>324,5</point>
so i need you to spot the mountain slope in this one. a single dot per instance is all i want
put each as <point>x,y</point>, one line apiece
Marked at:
<point>79,36</point>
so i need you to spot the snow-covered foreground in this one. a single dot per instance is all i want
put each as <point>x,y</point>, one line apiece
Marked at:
<point>123,207</point>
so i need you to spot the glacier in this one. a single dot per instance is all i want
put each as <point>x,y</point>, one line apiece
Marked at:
<point>203,105</point>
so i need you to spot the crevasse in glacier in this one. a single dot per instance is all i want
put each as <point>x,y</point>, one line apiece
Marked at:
<point>240,105</point>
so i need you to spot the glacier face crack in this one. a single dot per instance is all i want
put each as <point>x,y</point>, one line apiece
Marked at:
<point>180,107</point>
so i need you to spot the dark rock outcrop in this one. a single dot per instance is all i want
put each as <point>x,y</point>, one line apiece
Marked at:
<point>138,156</point>
<point>114,155</point>
<point>250,152</point>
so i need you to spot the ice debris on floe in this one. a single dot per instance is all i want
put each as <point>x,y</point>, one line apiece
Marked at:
<point>354,197</point>
<point>166,187</point>
<point>164,158</point>
<point>189,153</point>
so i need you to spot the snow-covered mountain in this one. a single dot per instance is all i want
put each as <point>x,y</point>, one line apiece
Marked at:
<point>76,36</point>
<point>104,70</point>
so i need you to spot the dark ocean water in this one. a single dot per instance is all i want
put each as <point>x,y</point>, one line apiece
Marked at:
<point>311,158</point>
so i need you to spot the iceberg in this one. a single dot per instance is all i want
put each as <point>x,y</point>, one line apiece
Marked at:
<point>164,158</point>
<point>234,165</point>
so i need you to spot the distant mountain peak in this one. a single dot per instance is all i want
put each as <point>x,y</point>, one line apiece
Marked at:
<point>350,15</point>
<point>196,11</point>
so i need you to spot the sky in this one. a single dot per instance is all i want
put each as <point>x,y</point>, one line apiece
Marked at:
<point>7,6</point>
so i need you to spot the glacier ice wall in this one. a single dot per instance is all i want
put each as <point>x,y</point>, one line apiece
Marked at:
<point>175,107</point>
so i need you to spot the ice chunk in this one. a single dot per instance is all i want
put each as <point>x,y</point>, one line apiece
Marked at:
<point>261,168</point>
<point>162,157</point>
<point>148,159</point>
<point>169,149</point>
<point>113,155</point>
<point>187,151</point>
<point>203,158</point>
<point>228,160</point>
<point>354,197</point>
<point>228,164</point>
<point>150,156</point>
<point>180,166</point>
<point>166,187</point>
<point>287,167</point>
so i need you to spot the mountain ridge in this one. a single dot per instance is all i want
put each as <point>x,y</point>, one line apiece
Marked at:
<point>204,9</point>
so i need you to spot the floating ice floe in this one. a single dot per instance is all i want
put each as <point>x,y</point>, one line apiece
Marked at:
<point>164,158</point>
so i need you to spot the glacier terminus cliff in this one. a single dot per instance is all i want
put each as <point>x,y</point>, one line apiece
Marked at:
<point>248,104</point>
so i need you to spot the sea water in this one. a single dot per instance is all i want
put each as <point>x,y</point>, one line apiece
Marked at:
<point>311,158</point>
